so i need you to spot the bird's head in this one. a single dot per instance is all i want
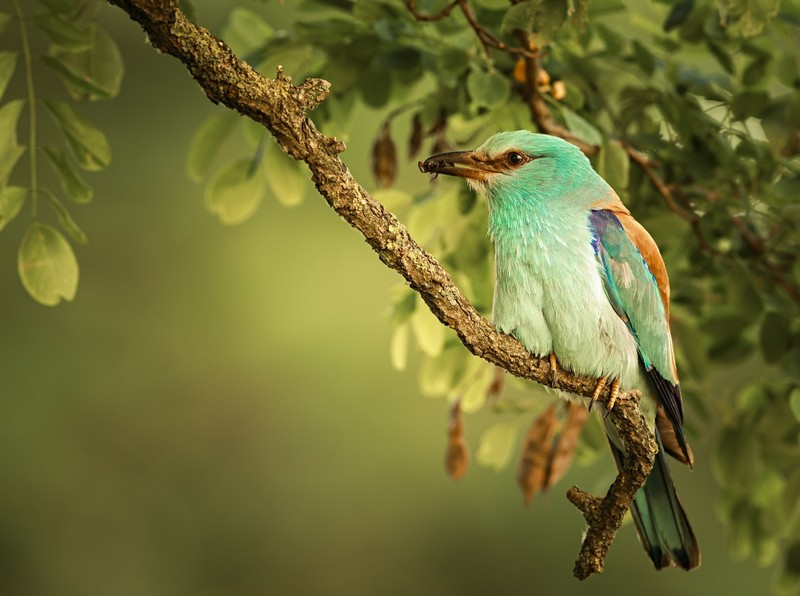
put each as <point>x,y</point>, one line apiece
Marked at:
<point>520,166</point>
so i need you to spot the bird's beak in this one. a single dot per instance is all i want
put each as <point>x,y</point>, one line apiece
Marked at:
<point>464,164</point>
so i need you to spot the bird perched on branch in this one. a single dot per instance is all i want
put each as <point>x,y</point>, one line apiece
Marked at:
<point>580,280</point>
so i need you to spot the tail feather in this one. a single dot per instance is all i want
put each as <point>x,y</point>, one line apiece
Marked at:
<point>660,520</point>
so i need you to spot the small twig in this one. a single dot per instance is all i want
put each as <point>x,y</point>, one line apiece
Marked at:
<point>410,4</point>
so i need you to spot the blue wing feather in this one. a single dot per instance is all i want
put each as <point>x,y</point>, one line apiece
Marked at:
<point>633,292</point>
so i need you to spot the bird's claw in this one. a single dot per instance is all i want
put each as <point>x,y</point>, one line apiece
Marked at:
<point>553,369</point>
<point>601,383</point>
<point>612,399</point>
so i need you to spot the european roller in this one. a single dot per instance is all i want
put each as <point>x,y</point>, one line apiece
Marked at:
<point>578,279</point>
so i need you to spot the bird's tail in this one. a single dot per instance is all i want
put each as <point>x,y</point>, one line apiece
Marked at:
<point>661,523</point>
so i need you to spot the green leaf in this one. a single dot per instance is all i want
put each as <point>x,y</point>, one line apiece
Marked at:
<point>235,191</point>
<point>63,32</point>
<point>288,178</point>
<point>207,141</point>
<point>93,74</point>
<point>73,185</point>
<point>246,31</point>
<point>519,16</point>
<point>794,402</point>
<point>59,6</point>
<point>65,219</point>
<point>776,336</point>
<point>8,61</point>
<point>488,88</point>
<point>75,81</point>
<point>11,200</point>
<point>614,166</point>
<point>679,13</point>
<point>88,144</point>
<point>497,445</point>
<point>47,266</point>
<point>428,331</point>
<point>581,128</point>
<point>398,348</point>
<point>4,19</point>
<point>10,150</point>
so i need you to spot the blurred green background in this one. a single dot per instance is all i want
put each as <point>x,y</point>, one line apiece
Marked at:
<point>215,413</point>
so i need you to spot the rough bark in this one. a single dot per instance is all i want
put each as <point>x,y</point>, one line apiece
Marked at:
<point>282,108</point>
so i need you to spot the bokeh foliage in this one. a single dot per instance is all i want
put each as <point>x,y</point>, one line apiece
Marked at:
<point>691,110</point>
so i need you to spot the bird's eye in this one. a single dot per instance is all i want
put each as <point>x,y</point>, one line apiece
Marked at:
<point>515,158</point>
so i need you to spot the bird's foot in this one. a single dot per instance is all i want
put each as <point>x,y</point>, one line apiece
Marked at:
<point>612,399</point>
<point>553,369</point>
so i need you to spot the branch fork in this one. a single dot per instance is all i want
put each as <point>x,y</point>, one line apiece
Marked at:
<point>282,107</point>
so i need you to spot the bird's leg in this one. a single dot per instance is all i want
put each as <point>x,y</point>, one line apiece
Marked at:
<point>553,368</point>
<point>601,384</point>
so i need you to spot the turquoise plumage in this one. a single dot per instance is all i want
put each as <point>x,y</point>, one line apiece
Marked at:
<point>579,279</point>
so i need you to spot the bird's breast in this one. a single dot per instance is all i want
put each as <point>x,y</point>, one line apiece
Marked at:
<point>550,295</point>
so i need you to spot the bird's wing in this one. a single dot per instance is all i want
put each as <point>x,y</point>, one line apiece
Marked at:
<point>635,293</point>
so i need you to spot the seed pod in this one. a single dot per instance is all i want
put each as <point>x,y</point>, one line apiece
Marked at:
<point>415,140</point>
<point>565,444</point>
<point>384,157</point>
<point>457,455</point>
<point>532,468</point>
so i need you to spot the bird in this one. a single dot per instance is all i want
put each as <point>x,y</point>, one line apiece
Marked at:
<point>579,280</point>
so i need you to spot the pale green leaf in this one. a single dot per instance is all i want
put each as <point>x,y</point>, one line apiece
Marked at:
<point>288,178</point>
<point>65,219</point>
<point>63,32</point>
<point>8,61</point>
<point>581,128</point>
<point>488,88</point>
<point>519,16</point>
<point>235,191</point>
<point>88,144</point>
<point>428,331</point>
<point>207,141</point>
<point>11,200</point>
<point>614,166</point>
<point>92,74</point>
<point>398,348</point>
<point>73,185</point>
<point>47,266</point>
<point>59,6</point>
<point>477,379</point>
<point>437,375</point>
<point>497,445</point>
<point>75,80</point>
<point>794,402</point>
<point>10,150</point>
<point>246,31</point>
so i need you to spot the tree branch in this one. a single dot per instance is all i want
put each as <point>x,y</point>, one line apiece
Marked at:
<point>281,107</point>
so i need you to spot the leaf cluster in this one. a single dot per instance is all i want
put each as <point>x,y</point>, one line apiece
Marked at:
<point>64,37</point>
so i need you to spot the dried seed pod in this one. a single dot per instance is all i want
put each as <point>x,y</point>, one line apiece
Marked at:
<point>559,90</point>
<point>495,388</point>
<point>384,157</point>
<point>520,74</point>
<point>457,455</point>
<point>532,468</point>
<point>417,134</point>
<point>565,444</point>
